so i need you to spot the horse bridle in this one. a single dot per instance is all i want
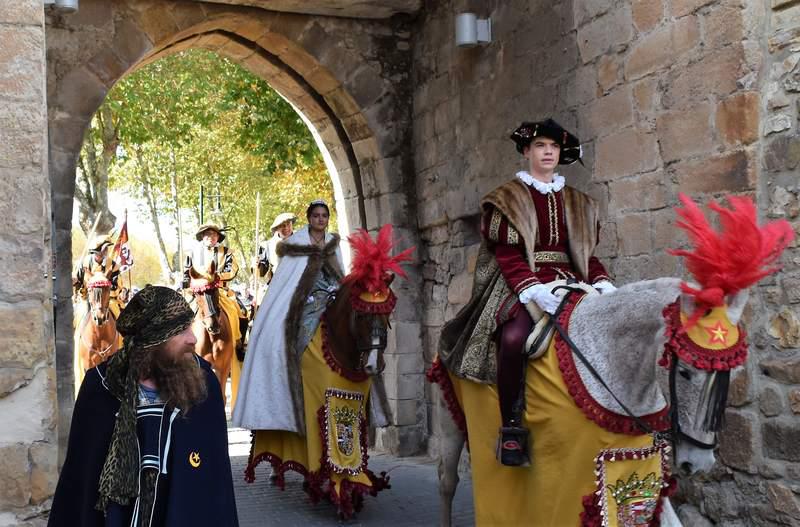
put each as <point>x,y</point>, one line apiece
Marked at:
<point>674,434</point>
<point>212,312</point>
<point>376,331</point>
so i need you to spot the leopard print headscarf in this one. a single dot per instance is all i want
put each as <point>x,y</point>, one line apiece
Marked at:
<point>152,317</point>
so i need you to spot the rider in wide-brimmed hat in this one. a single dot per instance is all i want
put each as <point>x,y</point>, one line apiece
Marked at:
<point>99,259</point>
<point>210,249</point>
<point>282,227</point>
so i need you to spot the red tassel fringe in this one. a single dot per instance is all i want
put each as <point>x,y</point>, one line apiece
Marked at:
<point>437,374</point>
<point>680,345</point>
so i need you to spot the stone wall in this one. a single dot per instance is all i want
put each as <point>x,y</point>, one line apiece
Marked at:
<point>666,96</point>
<point>28,446</point>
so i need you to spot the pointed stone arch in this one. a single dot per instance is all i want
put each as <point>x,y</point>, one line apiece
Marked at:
<point>341,75</point>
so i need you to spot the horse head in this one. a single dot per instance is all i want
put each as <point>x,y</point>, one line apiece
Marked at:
<point>205,288</point>
<point>703,339</point>
<point>369,297</point>
<point>99,294</point>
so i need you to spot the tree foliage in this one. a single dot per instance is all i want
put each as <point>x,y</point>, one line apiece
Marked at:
<point>194,119</point>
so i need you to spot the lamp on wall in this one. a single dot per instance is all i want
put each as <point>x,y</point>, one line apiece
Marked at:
<point>65,6</point>
<point>471,30</point>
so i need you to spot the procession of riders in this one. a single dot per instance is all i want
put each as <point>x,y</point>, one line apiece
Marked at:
<point>546,348</point>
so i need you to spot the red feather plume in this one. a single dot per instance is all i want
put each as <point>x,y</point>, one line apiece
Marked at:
<point>373,262</point>
<point>729,261</point>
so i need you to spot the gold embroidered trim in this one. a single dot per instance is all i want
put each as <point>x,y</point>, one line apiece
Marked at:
<point>513,235</point>
<point>551,257</point>
<point>494,226</point>
<point>552,213</point>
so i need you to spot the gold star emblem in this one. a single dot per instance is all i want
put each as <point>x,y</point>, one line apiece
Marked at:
<point>194,459</point>
<point>717,333</point>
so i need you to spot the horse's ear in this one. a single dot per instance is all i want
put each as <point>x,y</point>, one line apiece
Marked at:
<point>390,280</point>
<point>193,273</point>
<point>212,269</point>
<point>736,305</point>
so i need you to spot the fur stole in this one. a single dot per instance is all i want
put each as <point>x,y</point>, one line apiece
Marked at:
<point>318,258</point>
<point>513,199</point>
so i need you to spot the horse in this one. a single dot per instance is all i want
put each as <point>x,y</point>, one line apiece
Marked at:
<point>211,326</point>
<point>340,371</point>
<point>97,337</point>
<point>632,380</point>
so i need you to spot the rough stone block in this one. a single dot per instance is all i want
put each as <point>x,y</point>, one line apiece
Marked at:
<point>609,71</point>
<point>642,192</point>
<point>723,25</point>
<point>736,442</point>
<point>647,14</point>
<point>43,470</point>
<point>782,498</point>
<point>730,172</point>
<point>16,12</point>
<point>740,392</point>
<point>715,74</point>
<point>685,133</point>
<point>405,387</point>
<point>785,326</point>
<point>737,118</point>
<point>14,484</point>
<point>21,343</point>
<point>794,400</point>
<point>782,153</point>
<point>610,113</point>
<point>786,371</point>
<point>625,153</point>
<point>770,401</point>
<point>646,96</point>
<point>679,8</point>
<point>407,411</point>
<point>460,289</point>
<point>21,62</point>
<point>605,33</point>
<point>633,234</point>
<point>31,410</point>
<point>130,43</point>
<point>586,11</point>
<point>782,439</point>
<point>661,48</point>
<point>665,234</point>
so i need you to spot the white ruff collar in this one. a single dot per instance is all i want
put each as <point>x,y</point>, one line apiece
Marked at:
<point>543,188</point>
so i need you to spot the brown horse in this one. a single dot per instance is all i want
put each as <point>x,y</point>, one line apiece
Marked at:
<point>211,326</point>
<point>97,336</point>
<point>339,367</point>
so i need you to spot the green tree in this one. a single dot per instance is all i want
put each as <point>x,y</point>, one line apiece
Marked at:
<point>194,119</point>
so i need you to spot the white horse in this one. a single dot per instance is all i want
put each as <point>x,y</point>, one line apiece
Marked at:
<point>622,336</point>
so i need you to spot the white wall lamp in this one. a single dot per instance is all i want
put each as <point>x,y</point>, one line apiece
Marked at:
<point>64,6</point>
<point>471,30</point>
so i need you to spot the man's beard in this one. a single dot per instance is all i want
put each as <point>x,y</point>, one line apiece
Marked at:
<point>180,382</point>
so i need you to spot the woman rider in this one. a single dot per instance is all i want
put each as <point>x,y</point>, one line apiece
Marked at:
<point>270,390</point>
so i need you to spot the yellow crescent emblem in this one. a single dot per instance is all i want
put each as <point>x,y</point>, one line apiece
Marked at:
<point>194,459</point>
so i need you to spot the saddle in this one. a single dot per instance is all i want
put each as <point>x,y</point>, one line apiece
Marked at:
<point>542,333</point>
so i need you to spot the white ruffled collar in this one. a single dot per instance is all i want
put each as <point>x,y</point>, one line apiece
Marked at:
<point>543,188</point>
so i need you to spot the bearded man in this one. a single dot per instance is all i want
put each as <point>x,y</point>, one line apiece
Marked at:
<point>148,442</point>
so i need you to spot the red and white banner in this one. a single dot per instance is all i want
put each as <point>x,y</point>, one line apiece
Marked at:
<point>122,249</point>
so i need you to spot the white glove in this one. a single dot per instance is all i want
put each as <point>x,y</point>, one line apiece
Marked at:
<point>604,286</point>
<point>540,294</point>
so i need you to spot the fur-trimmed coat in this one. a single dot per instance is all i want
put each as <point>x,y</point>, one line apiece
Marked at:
<point>467,344</point>
<point>270,390</point>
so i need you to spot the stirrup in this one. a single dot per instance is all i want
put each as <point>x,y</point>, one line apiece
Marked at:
<point>512,446</point>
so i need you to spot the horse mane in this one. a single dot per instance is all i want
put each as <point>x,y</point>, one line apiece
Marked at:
<point>373,262</point>
<point>733,259</point>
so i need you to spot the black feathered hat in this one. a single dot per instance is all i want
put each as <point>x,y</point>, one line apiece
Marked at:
<point>570,145</point>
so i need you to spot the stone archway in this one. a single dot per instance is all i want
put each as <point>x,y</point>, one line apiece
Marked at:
<point>340,74</point>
